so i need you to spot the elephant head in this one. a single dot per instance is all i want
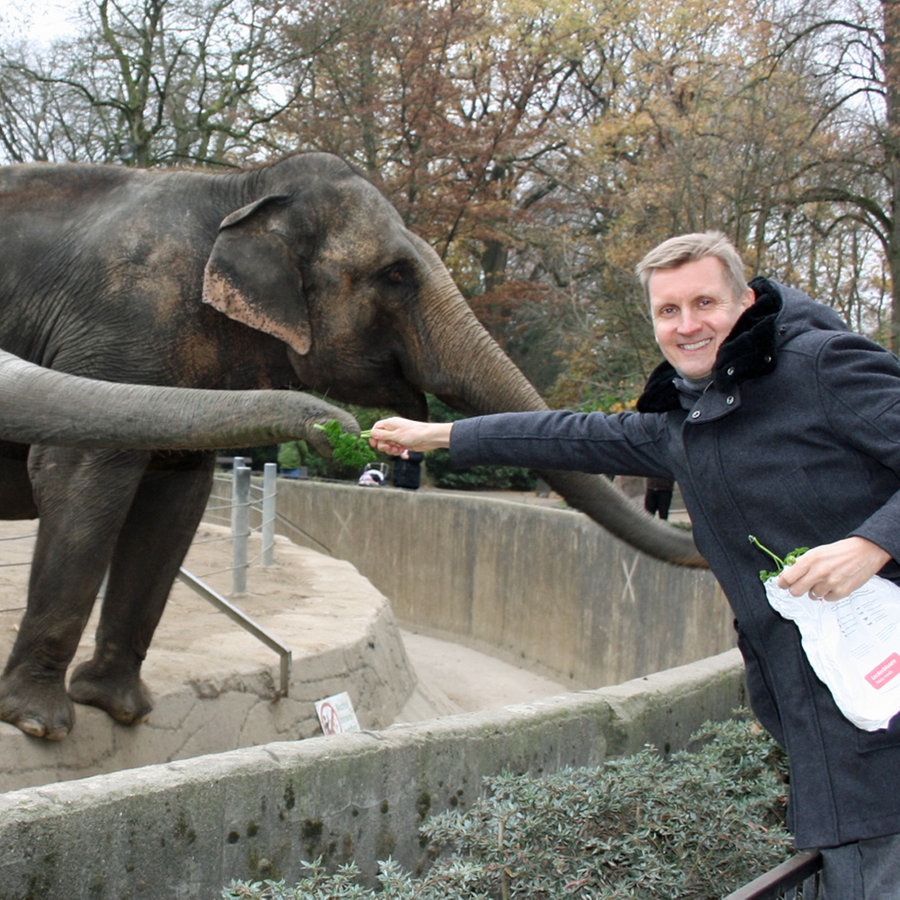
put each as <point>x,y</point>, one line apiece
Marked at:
<point>42,406</point>
<point>319,259</point>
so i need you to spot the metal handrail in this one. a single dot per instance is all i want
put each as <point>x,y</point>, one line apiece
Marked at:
<point>800,871</point>
<point>205,591</point>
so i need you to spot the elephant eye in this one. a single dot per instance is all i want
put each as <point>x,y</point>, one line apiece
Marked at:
<point>395,273</point>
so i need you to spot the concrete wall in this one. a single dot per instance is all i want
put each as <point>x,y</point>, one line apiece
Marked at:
<point>185,829</point>
<point>544,588</point>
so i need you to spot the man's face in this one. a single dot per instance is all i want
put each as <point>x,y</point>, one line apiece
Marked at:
<point>694,310</point>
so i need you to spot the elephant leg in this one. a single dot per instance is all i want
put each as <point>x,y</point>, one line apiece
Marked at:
<point>152,544</point>
<point>82,499</point>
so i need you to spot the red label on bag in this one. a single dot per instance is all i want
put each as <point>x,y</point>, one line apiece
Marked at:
<point>884,672</point>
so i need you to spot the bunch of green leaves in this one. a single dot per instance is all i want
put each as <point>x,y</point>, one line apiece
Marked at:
<point>348,449</point>
<point>697,824</point>
<point>781,564</point>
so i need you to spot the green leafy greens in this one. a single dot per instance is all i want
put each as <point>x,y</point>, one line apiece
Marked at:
<point>789,559</point>
<point>348,449</point>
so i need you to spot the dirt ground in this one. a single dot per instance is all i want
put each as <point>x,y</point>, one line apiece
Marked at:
<point>452,678</point>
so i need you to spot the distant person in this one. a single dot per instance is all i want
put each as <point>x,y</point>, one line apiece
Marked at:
<point>775,420</point>
<point>658,496</point>
<point>407,471</point>
<point>371,478</point>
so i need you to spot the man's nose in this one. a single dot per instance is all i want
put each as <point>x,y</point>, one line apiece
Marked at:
<point>688,322</point>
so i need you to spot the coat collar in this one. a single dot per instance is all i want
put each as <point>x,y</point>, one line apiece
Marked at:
<point>748,352</point>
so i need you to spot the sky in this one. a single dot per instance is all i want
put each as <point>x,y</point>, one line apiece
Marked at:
<point>38,20</point>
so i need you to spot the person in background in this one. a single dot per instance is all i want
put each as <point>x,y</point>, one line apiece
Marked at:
<point>407,469</point>
<point>371,478</point>
<point>776,421</point>
<point>658,496</point>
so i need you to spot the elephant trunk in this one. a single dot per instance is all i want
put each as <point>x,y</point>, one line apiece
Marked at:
<point>486,381</point>
<point>42,406</point>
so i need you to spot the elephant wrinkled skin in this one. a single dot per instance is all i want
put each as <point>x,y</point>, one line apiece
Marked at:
<point>297,274</point>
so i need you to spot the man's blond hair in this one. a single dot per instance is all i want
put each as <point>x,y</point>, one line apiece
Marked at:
<point>684,248</point>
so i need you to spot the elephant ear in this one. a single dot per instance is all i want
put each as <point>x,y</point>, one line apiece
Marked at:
<point>253,277</point>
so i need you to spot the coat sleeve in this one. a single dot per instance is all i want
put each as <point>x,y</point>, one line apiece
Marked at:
<point>620,444</point>
<point>860,382</point>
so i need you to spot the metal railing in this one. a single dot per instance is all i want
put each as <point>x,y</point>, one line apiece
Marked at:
<point>240,533</point>
<point>248,624</point>
<point>795,879</point>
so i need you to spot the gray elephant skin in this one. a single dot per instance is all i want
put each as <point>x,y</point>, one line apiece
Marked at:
<point>41,406</point>
<point>298,274</point>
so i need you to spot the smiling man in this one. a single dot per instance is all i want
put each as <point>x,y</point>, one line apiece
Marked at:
<point>776,421</point>
<point>694,307</point>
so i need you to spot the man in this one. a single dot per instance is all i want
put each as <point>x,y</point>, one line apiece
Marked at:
<point>658,496</point>
<point>776,421</point>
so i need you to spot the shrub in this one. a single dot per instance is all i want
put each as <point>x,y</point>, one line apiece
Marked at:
<point>694,825</point>
<point>477,478</point>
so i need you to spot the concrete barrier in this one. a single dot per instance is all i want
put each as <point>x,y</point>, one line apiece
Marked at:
<point>546,589</point>
<point>185,829</point>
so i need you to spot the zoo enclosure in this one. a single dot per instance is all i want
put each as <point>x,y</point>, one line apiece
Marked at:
<point>543,588</point>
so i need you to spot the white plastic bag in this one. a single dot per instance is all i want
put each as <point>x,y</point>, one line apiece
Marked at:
<point>853,646</point>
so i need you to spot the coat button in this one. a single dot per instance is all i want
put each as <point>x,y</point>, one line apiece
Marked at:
<point>730,370</point>
<point>729,400</point>
<point>695,414</point>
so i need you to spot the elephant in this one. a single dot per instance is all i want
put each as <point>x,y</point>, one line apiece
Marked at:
<point>295,274</point>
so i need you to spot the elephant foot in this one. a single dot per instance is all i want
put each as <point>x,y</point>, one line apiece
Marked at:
<point>120,694</point>
<point>40,708</point>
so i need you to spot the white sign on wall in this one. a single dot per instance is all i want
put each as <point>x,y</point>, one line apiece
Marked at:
<point>336,714</point>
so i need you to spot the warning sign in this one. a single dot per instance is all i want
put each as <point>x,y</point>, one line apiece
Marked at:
<point>336,714</point>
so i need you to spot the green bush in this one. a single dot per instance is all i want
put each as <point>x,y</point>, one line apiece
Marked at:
<point>694,825</point>
<point>474,478</point>
<point>477,478</point>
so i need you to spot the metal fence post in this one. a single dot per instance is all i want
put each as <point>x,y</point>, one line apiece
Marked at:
<point>268,514</point>
<point>236,464</point>
<point>241,529</point>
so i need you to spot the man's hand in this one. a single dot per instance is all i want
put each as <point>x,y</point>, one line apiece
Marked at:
<point>395,435</point>
<point>833,571</point>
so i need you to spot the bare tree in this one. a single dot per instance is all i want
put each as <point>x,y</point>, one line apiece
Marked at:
<point>149,83</point>
<point>850,48</point>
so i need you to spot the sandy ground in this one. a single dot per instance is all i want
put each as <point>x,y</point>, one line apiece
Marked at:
<point>452,678</point>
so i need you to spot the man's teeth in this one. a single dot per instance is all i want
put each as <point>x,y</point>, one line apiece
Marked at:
<point>695,346</point>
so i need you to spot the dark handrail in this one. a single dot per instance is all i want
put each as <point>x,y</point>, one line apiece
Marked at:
<point>776,882</point>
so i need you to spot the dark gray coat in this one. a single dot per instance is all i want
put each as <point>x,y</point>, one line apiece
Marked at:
<point>797,441</point>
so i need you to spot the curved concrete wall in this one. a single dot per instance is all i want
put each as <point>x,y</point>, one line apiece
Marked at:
<point>544,588</point>
<point>183,830</point>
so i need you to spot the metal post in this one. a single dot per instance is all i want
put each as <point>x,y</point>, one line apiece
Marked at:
<point>268,514</point>
<point>236,464</point>
<point>241,529</point>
